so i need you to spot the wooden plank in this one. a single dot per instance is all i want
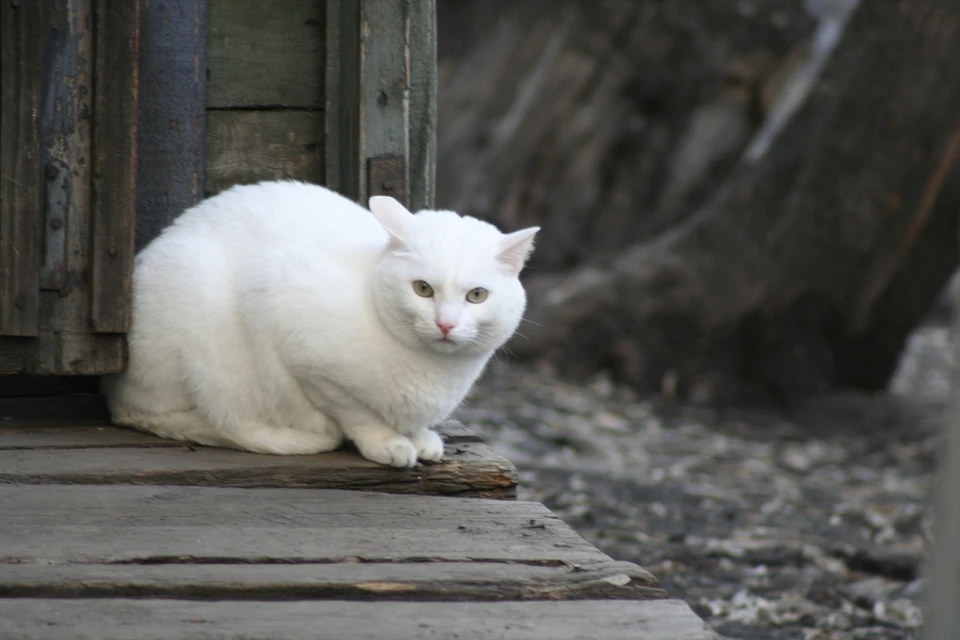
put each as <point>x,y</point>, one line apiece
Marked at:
<point>384,85</point>
<point>248,146</point>
<point>261,54</point>
<point>342,161</point>
<point>22,92</point>
<point>469,469</point>
<point>113,206</point>
<point>413,581</point>
<point>78,405</point>
<point>47,431</point>
<point>53,436</point>
<point>203,525</point>
<point>172,139</point>
<point>423,104</point>
<point>45,619</point>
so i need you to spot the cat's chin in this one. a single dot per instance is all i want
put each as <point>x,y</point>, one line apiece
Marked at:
<point>452,347</point>
<point>447,347</point>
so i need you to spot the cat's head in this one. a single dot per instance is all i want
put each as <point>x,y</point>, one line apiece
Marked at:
<point>449,283</point>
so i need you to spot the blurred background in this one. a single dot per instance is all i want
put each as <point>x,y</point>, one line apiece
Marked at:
<point>735,367</point>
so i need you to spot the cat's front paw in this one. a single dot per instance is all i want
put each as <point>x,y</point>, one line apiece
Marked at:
<point>394,450</point>
<point>428,444</point>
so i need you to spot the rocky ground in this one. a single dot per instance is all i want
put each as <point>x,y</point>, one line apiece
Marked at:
<point>809,526</point>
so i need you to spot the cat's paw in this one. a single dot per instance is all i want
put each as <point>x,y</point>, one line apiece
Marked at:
<point>394,450</point>
<point>428,444</point>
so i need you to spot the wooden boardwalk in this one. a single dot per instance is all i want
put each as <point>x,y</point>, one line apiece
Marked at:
<point>107,533</point>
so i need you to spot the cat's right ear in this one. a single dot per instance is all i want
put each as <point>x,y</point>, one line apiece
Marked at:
<point>392,216</point>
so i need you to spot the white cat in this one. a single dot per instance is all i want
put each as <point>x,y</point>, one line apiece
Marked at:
<point>280,317</point>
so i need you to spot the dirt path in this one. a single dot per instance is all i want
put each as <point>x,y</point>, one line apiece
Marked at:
<point>809,526</point>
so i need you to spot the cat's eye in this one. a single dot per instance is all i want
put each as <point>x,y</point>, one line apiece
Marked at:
<point>422,289</point>
<point>478,295</point>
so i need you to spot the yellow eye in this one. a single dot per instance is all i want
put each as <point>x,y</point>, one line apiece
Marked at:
<point>477,295</point>
<point>422,289</point>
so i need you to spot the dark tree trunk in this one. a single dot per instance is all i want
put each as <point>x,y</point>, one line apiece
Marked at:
<point>804,270</point>
<point>572,114</point>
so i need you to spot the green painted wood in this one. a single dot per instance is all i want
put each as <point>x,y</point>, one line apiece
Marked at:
<point>384,88</point>
<point>423,105</point>
<point>173,97</point>
<point>369,65</point>
<point>248,146</point>
<point>342,97</point>
<point>265,53</point>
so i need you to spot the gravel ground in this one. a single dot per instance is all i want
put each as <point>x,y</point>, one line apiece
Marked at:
<point>805,526</point>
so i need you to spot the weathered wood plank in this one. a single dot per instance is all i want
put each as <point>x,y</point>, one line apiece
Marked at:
<point>469,469</point>
<point>53,436</point>
<point>23,88</point>
<point>114,188</point>
<point>151,525</point>
<point>170,164</point>
<point>261,54</point>
<point>423,105</point>
<point>45,619</point>
<point>48,432</point>
<point>413,581</point>
<point>248,146</point>
<point>342,98</point>
<point>385,81</point>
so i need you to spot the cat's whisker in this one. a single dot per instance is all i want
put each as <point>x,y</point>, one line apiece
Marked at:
<point>531,322</point>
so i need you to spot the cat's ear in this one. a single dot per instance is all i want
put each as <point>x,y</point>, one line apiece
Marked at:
<point>392,216</point>
<point>515,248</point>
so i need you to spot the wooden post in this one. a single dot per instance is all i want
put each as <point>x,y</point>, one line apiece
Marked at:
<point>21,31</point>
<point>380,99</point>
<point>172,112</point>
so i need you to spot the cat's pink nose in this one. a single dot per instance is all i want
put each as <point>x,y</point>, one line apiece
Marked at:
<point>445,327</point>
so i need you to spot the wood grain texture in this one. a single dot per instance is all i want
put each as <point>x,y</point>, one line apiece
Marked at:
<point>64,342</point>
<point>248,146</point>
<point>170,162</point>
<point>113,206</point>
<point>384,85</point>
<point>45,619</point>
<point>265,54</point>
<point>23,89</point>
<point>341,88</point>
<point>163,525</point>
<point>412,581</point>
<point>422,163</point>
<point>37,448</point>
<point>469,470</point>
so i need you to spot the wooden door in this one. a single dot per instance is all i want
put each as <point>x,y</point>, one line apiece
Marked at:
<point>68,134</point>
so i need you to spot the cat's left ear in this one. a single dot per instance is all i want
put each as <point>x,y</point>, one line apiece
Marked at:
<point>515,248</point>
<point>392,216</point>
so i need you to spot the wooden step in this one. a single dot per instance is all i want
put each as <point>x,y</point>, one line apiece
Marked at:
<point>69,440</point>
<point>103,561</point>
<point>110,533</point>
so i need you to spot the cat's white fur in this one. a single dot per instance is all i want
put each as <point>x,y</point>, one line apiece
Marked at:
<point>282,317</point>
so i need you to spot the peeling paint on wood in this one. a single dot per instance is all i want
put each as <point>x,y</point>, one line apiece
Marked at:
<point>171,112</point>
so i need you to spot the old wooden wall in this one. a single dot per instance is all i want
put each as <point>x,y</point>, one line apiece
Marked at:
<point>68,131</point>
<point>338,92</point>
